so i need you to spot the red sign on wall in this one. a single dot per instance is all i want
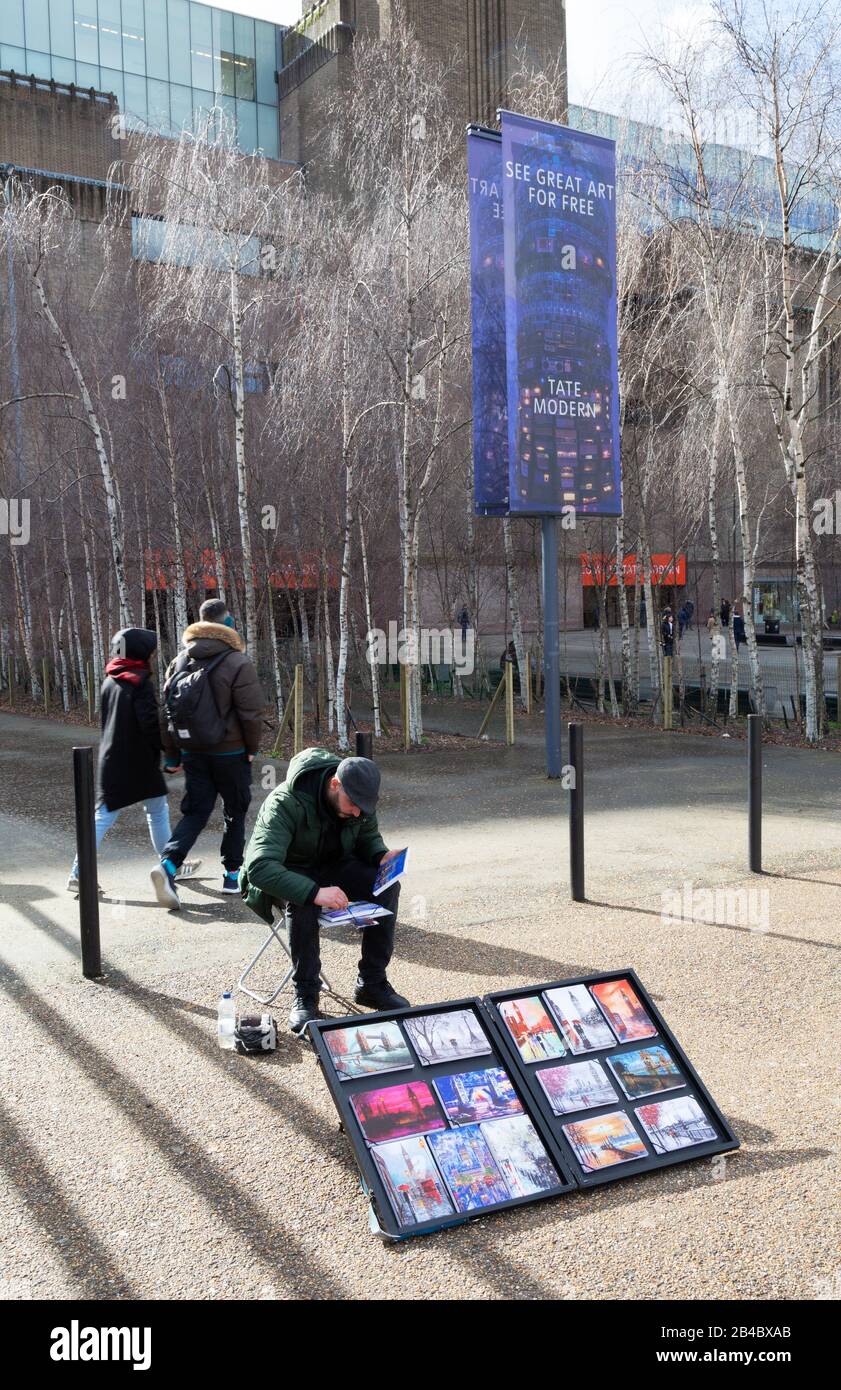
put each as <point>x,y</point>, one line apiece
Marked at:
<point>665,569</point>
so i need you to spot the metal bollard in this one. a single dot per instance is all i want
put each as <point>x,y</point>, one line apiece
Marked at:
<point>755,792</point>
<point>86,852</point>
<point>364,745</point>
<point>576,813</point>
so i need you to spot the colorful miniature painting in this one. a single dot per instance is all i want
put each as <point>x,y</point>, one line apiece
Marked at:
<point>582,1086</point>
<point>676,1124</point>
<point>623,1010</point>
<point>366,1049</point>
<point>531,1028</point>
<point>520,1156</point>
<point>468,1167</point>
<point>446,1037</point>
<point>397,1110</point>
<point>645,1072</point>
<point>604,1140</point>
<point>471,1096</point>
<point>579,1019</point>
<point>415,1187</point>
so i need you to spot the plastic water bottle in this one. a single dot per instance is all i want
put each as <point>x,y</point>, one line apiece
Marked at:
<point>226,1021</point>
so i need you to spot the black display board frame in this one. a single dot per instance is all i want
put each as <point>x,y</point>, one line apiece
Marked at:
<point>341,1092</point>
<point>561,1149</point>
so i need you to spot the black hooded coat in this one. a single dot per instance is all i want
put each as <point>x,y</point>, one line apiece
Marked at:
<point>130,750</point>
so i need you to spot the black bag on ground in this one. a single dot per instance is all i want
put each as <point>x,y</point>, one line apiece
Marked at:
<point>192,716</point>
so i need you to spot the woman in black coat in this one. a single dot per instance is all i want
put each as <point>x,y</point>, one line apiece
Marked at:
<point>130,749</point>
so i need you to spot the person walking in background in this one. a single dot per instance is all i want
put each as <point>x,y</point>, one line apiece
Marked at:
<point>213,652</point>
<point>129,767</point>
<point>725,612</point>
<point>667,632</point>
<point>739,636</point>
<point>711,622</point>
<point>682,621</point>
<point>690,612</point>
<point>464,621</point>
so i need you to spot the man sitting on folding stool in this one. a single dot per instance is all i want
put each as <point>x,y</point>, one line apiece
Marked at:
<point>316,845</point>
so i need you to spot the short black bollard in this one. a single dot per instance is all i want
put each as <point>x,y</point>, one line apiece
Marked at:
<point>364,745</point>
<point>755,792</point>
<point>576,813</point>
<point>86,853</point>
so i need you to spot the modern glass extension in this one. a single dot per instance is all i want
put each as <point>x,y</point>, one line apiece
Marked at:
<point>167,61</point>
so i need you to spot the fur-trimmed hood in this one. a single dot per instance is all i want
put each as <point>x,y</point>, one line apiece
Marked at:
<point>212,632</point>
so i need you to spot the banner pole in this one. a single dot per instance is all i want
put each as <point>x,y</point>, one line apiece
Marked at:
<point>551,650</point>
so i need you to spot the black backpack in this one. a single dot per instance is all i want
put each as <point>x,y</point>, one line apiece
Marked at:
<point>192,716</point>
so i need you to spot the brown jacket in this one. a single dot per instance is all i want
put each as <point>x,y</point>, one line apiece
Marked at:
<point>235,685</point>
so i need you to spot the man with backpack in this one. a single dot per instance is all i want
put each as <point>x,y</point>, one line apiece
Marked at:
<point>213,708</point>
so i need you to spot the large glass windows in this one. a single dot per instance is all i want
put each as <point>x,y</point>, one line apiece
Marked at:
<point>110,34</point>
<point>38,63</point>
<point>180,108</point>
<point>11,25</point>
<point>134,37</point>
<point>223,48</point>
<point>246,125</point>
<point>201,46</point>
<point>88,75</point>
<point>64,70</point>
<point>157,95</point>
<point>156,45</point>
<point>37,18</point>
<point>245,65</point>
<point>113,81</point>
<point>85,30</point>
<point>136,98</point>
<point>179,41</point>
<point>267,132</point>
<point>266,55</point>
<point>61,29</point>
<point>12,59</point>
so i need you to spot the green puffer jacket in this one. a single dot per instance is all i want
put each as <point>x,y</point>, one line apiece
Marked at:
<point>288,835</point>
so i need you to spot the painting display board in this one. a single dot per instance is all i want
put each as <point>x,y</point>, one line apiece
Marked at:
<point>458,1109</point>
<point>624,1098</point>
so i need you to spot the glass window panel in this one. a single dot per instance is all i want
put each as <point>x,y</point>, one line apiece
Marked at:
<point>228,73</point>
<point>247,125</point>
<point>64,70</point>
<point>201,46</point>
<point>157,94</point>
<point>11,25</point>
<point>223,47</point>
<point>112,81</point>
<point>37,19</point>
<point>13,59</point>
<point>110,34</point>
<point>246,86</point>
<point>156,55</point>
<point>61,29</point>
<point>203,103</point>
<point>134,37</point>
<point>136,96</point>
<point>38,64</point>
<point>266,62</point>
<point>244,35</point>
<point>180,106</point>
<point>88,75</point>
<point>179,41</point>
<point>85,30</point>
<point>267,131</point>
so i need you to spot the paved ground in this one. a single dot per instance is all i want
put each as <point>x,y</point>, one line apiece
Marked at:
<point>140,1160</point>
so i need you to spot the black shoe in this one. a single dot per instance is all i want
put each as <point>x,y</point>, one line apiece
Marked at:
<point>304,1009</point>
<point>379,996</point>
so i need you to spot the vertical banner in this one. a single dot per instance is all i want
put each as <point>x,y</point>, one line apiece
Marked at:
<point>560,313</point>
<point>490,400</point>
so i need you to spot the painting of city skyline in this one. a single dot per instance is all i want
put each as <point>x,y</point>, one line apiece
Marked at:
<point>366,1049</point>
<point>520,1156</point>
<point>676,1124</point>
<point>645,1072</point>
<point>622,1009</point>
<point>581,1086</point>
<point>604,1140</point>
<point>579,1019</point>
<point>471,1096</point>
<point>468,1167</point>
<point>395,1111</point>
<point>415,1187</point>
<point>447,1037</point>
<point>532,1029</point>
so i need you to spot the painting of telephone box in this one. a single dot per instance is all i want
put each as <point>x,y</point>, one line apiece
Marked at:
<point>477,1095</point>
<point>395,1111</point>
<point>645,1071</point>
<point>604,1140</point>
<point>676,1124</point>
<point>446,1037</point>
<point>367,1049</point>
<point>579,1019</point>
<point>623,1010</point>
<point>469,1169</point>
<point>582,1086</point>
<point>414,1185</point>
<point>520,1156</point>
<point>531,1028</point>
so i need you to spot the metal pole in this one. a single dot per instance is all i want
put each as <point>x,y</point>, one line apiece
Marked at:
<point>755,792</point>
<point>364,745</point>
<point>576,813</point>
<point>551,650</point>
<point>86,853</point>
<point>509,703</point>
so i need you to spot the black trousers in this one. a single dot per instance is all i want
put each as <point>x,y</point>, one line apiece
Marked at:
<point>207,776</point>
<point>356,879</point>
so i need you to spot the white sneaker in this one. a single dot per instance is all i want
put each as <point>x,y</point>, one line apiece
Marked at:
<point>164,886</point>
<point>73,887</point>
<point>189,868</point>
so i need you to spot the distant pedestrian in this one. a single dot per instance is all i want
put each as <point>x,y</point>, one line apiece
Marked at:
<point>464,620</point>
<point>682,620</point>
<point>129,767</point>
<point>221,767</point>
<point>739,630</point>
<point>667,632</point>
<point>690,612</point>
<point>712,622</point>
<point>725,612</point>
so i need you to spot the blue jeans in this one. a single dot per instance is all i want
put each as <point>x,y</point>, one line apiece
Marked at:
<point>157,818</point>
